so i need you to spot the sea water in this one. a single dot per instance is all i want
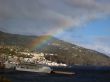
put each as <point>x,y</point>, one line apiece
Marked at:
<point>82,74</point>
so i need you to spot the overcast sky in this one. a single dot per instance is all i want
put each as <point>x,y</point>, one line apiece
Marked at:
<point>83,22</point>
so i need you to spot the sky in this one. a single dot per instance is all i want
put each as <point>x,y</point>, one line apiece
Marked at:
<point>82,22</point>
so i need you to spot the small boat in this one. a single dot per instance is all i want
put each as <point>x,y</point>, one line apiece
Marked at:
<point>34,68</point>
<point>63,72</point>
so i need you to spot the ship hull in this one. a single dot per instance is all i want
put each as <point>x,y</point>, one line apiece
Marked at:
<point>34,68</point>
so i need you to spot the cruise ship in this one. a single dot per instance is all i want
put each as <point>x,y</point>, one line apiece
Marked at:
<point>28,67</point>
<point>34,68</point>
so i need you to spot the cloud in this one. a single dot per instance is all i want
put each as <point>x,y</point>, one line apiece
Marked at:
<point>102,38</point>
<point>101,47</point>
<point>41,16</point>
<point>99,43</point>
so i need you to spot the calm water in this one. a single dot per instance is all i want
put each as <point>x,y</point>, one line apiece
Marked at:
<point>83,74</point>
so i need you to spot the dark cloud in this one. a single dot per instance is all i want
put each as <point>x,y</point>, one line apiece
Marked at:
<point>41,16</point>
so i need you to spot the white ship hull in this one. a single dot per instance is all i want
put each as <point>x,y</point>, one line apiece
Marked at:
<point>34,68</point>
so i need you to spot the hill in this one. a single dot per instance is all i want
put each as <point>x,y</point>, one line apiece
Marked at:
<point>63,51</point>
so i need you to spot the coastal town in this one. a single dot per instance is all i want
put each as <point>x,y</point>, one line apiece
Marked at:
<point>12,55</point>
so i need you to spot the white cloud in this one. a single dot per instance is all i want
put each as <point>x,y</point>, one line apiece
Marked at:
<point>100,44</point>
<point>98,47</point>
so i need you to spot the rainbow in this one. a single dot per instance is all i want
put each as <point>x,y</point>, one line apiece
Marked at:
<point>56,31</point>
<point>38,41</point>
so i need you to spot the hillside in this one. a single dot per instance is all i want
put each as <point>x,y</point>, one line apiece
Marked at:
<point>65,52</point>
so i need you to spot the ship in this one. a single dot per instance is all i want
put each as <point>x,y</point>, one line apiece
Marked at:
<point>33,68</point>
<point>38,68</point>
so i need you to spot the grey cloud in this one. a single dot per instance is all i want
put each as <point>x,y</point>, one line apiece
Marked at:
<point>41,16</point>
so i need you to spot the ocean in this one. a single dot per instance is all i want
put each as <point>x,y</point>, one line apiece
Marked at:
<point>82,74</point>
